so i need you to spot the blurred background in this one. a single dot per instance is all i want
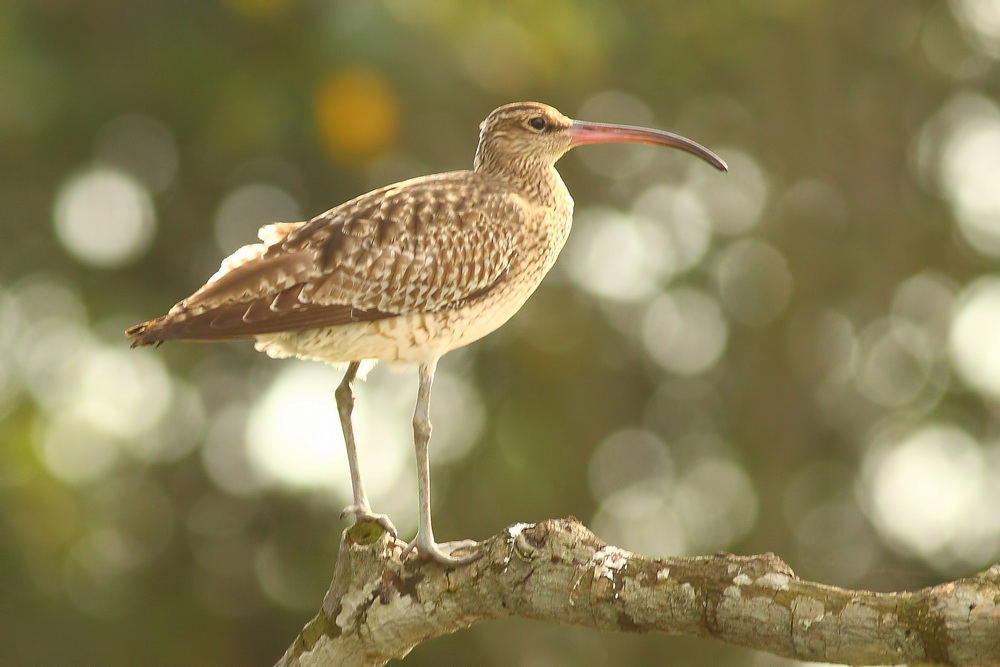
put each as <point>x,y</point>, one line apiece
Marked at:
<point>799,356</point>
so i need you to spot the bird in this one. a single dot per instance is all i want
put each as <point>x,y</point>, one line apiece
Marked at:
<point>405,274</point>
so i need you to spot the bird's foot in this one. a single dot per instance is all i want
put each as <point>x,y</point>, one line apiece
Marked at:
<point>363,514</point>
<point>441,552</point>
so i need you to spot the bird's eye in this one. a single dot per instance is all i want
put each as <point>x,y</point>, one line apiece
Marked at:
<point>537,123</point>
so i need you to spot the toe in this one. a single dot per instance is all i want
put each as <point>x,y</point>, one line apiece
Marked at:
<point>442,553</point>
<point>364,515</point>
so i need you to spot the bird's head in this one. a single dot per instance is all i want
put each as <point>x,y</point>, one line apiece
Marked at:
<point>537,133</point>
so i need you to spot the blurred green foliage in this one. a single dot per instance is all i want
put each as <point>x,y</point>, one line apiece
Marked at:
<point>834,265</point>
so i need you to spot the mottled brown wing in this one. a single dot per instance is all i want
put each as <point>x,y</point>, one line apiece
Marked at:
<point>418,246</point>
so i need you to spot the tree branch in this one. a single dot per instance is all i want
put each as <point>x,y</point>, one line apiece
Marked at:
<point>379,608</point>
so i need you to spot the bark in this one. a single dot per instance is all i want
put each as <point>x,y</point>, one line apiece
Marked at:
<point>379,608</point>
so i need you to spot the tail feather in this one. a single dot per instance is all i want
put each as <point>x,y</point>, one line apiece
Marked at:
<point>147,333</point>
<point>223,323</point>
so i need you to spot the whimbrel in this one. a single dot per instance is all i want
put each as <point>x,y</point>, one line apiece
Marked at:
<point>406,273</point>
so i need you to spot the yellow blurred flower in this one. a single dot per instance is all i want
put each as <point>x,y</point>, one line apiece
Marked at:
<point>358,115</point>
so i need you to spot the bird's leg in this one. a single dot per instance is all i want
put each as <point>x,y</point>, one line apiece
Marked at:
<point>359,509</point>
<point>424,541</point>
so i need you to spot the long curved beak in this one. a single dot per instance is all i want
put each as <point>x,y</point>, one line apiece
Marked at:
<point>583,132</point>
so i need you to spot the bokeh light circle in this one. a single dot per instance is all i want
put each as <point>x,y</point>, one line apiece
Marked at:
<point>975,336</point>
<point>104,217</point>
